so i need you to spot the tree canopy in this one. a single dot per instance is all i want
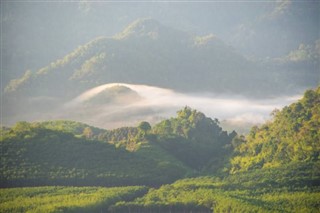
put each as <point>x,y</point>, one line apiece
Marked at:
<point>293,135</point>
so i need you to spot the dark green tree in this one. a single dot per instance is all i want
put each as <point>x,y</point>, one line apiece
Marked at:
<point>144,126</point>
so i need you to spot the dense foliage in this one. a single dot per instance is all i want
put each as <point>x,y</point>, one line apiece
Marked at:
<point>65,199</point>
<point>195,139</point>
<point>292,136</point>
<point>119,135</point>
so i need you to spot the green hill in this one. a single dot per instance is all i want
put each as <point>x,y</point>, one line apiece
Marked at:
<point>72,153</point>
<point>195,139</point>
<point>293,135</point>
<point>35,156</point>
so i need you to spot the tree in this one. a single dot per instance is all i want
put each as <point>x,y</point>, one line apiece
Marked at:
<point>144,126</point>
<point>87,133</point>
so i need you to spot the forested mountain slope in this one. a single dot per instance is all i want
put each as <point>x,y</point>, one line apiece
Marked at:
<point>293,135</point>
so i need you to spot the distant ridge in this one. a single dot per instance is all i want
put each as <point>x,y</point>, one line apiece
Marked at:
<point>147,52</point>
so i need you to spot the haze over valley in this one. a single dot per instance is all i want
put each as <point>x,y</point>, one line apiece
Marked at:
<point>115,105</point>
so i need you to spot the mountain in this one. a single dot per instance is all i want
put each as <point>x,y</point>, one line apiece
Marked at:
<point>147,52</point>
<point>142,54</point>
<point>268,29</point>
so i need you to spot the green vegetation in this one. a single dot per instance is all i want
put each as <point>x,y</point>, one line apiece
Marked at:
<point>33,156</point>
<point>73,127</point>
<point>65,199</point>
<point>195,139</point>
<point>71,153</point>
<point>275,168</point>
<point>292,136</point>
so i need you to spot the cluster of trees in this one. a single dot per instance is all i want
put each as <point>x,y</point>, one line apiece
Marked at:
<point>292,136</point>
<point>120,136</point>
<point>195,139</point>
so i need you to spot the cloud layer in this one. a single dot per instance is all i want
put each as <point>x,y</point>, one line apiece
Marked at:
<point>158,103</point>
